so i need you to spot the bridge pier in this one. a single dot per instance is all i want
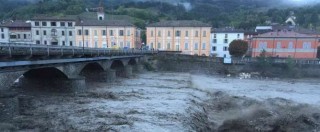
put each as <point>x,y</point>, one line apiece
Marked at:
<point>111,75</point>
<point>9,105</point>
<point>128,71</point>
<point>138,68</point>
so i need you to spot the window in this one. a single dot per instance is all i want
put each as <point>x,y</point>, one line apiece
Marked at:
<point>186,46</point>
<point>226,36</point>
<point>62,33</point>
<point>86,32</point>
<point>290,45</point>
<point>168,46</point>
<point>196,46</point>
<point>37,32</point>
<point>24,36</point>
<point>2,36</point>
<point>44,23</point>
<point>151,33</point>
<point>226,41</point>
<point>278,45</point>
<point>159,33</point>
<point>128,33</point>
<point>87,44</point>
<point>45,42</point>
<point>95,33</point>
<point>120,32</point>
<point>225,48</point>
<point>104,33</point>
<point>204,46</point>
<point>159,45</point>
<point>53,24</point>
<point>215,36</point>
<point>96,44</point>
<point>13,36</point>
<point>196,34</point>
<point>19,36</point>
<point>100,18</point>
<point>178,33</point>
<point>111,32</point>
<point>71,43</point>
<point>79,32</point>
<point>62,24</point>
<point>187,34</point>
<point>70,24</point>
<point>263,45</point>
<point>214,40</point>
<point>151,45</point>
<point>44,32</point>
<point>238,36</point>
<point>63,43</point>
<point>214,48</point>
<point>36,23</point>
<point>128,44</point>
<point>306,45</point>
<point>80,43</point>
<point>37,42</point>
<point>70,33</point>
<point>204,34</point>
<point>169,33</point>
<point>54,32</point>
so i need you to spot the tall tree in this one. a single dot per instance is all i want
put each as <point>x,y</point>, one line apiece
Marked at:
<point>238,48</point>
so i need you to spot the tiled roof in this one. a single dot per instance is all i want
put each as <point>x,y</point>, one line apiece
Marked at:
<point>18,23</point>
<point>179,23</point>
<point>227,30</point>
<point>284,34</point>
<point>55,18</point>
<point>103,23</point>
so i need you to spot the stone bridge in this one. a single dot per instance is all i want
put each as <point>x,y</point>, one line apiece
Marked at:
<point>59,70</point>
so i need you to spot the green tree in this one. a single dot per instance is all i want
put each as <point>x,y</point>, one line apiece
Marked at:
<point>238,48</point>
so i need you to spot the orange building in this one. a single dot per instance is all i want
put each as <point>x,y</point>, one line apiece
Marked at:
<point>285,44</point>
<point>106,34</point>
<point>188,36</point>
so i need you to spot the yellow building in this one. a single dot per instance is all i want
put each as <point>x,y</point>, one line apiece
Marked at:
<point>188,36</point>
<point>106,34</point>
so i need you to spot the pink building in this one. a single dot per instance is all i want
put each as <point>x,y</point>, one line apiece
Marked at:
<point>285,43</point>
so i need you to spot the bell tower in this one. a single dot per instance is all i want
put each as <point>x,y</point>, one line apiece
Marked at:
<point>100,11</point>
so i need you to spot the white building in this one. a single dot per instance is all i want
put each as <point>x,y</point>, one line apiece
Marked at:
<point>54,30</point>
<point>16,32</point>
<point>221,39</point>
<point>4,34</point>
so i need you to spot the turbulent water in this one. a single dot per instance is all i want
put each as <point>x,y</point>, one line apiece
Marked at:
<point>168,102</point>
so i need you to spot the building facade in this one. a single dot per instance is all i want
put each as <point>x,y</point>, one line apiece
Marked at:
<point>53,30</point>
<point>285,44</point>
<point>106,34</point>
<point>4,34</point>
<point>189,37</point>
<point>16,32</point>
<point>221,39</point>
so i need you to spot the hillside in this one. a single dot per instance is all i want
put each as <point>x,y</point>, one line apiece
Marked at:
<point>245,14</point>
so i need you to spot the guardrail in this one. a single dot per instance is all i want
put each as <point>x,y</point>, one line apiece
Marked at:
<point>13,49</point>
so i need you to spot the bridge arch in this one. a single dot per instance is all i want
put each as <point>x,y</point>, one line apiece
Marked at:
<point>132,62</point>
<point>45,73</point>
<point>118,66</point>
<point>92,71</point>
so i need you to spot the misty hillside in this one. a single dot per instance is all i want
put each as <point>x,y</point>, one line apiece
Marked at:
<point>245,14</point>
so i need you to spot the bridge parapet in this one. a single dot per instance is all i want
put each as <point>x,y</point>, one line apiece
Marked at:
<point>10,50</point>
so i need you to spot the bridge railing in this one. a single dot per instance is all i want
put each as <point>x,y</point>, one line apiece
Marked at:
<point>14,49</point>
